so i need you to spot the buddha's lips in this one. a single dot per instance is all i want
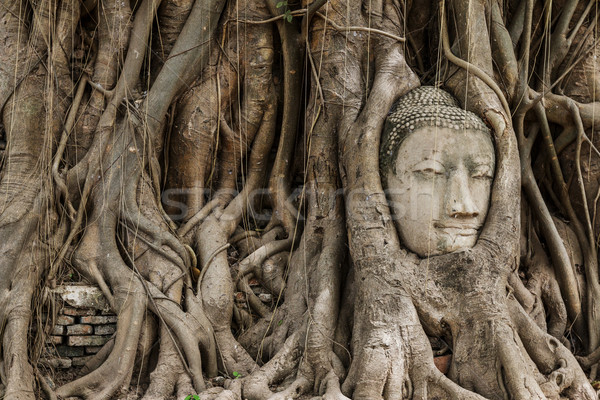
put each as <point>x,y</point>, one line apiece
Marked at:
<point>466,229</point>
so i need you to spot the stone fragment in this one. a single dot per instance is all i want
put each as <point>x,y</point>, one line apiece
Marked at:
<point>218,381</point>
<point>92,349</point>
<point>64,320</point>
<point>76,312</point>
<point>67,351</point>
<point>81,361</point>
<point>79,329</point>
<point>78,341</point>
<point>55,362</point>
<point>54,339</point>
<point>57,330</point>
<point>105,329</point>
<point>82,296</point>
<point>99,319</point>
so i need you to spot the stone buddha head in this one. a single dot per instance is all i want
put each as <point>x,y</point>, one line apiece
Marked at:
<point>437,164</point>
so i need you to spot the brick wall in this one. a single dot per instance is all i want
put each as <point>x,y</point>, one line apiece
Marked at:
<point>84,323</point>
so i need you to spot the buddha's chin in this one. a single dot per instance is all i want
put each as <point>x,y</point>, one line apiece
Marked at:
<point>442,240</point>
<point>445,242</point>
<point>453,242</point>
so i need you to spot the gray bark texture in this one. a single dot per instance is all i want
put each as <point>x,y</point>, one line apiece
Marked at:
<point>213,166</point>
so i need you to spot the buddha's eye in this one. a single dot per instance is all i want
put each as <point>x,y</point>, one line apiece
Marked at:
<point>482,172</point>
<point>429,169</point>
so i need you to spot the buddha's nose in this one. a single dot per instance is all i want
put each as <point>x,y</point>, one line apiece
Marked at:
<point>459,200</point>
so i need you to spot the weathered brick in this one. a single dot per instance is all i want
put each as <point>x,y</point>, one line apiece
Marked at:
<point>54,339</point>
<point>87,340</point>
<point>443,363</point>
<point>92,349</point>
<point>105,329</point>
<point>76,312</point>
<point>99,319</point>
<point>79,329</point>
<point>64,320</point>
<point>67,351</point>
<point>57,330</point>
<point>59,363</point>
<point>81,361</point>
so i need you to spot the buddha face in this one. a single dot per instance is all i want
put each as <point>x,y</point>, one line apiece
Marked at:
<point>439,189</point>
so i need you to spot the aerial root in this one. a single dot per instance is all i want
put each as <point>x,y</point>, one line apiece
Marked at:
<point>232,354</point>
<point>333,390</point>
<point>555,361</point>
<point>257,385</point>
<point>258,257</point>
<point>50,395</point>
<point>588,361</point>
<point>169,371</point>
<point>256,304</point>
<point>217,393</point>
<point>255,338</point>
<point>98,358</point>
<point>437,384</point>
<point>136,221</point>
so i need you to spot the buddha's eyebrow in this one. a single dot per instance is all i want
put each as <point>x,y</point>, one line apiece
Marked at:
<point>427,158</point>
<point>479,160</point>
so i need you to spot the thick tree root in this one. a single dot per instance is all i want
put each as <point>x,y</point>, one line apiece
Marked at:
<point>558,364</point>
<point>257,386</point>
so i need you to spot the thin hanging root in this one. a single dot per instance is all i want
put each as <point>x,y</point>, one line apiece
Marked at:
<point>360,29</point>
<point>157,247</point>
<point>467,66</point>
<point>198,217</point>
<point>58,179</point>
<point>189,331</point>
<point>214,254</point>
<point>50,395</point>
<point>136,220</point>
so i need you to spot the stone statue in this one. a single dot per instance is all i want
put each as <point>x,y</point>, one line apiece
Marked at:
<point>437,165</point>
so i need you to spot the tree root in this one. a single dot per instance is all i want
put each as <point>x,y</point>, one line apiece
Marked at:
<point>257,386</point>
<point>563,374</point>
<point>115,373</point>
